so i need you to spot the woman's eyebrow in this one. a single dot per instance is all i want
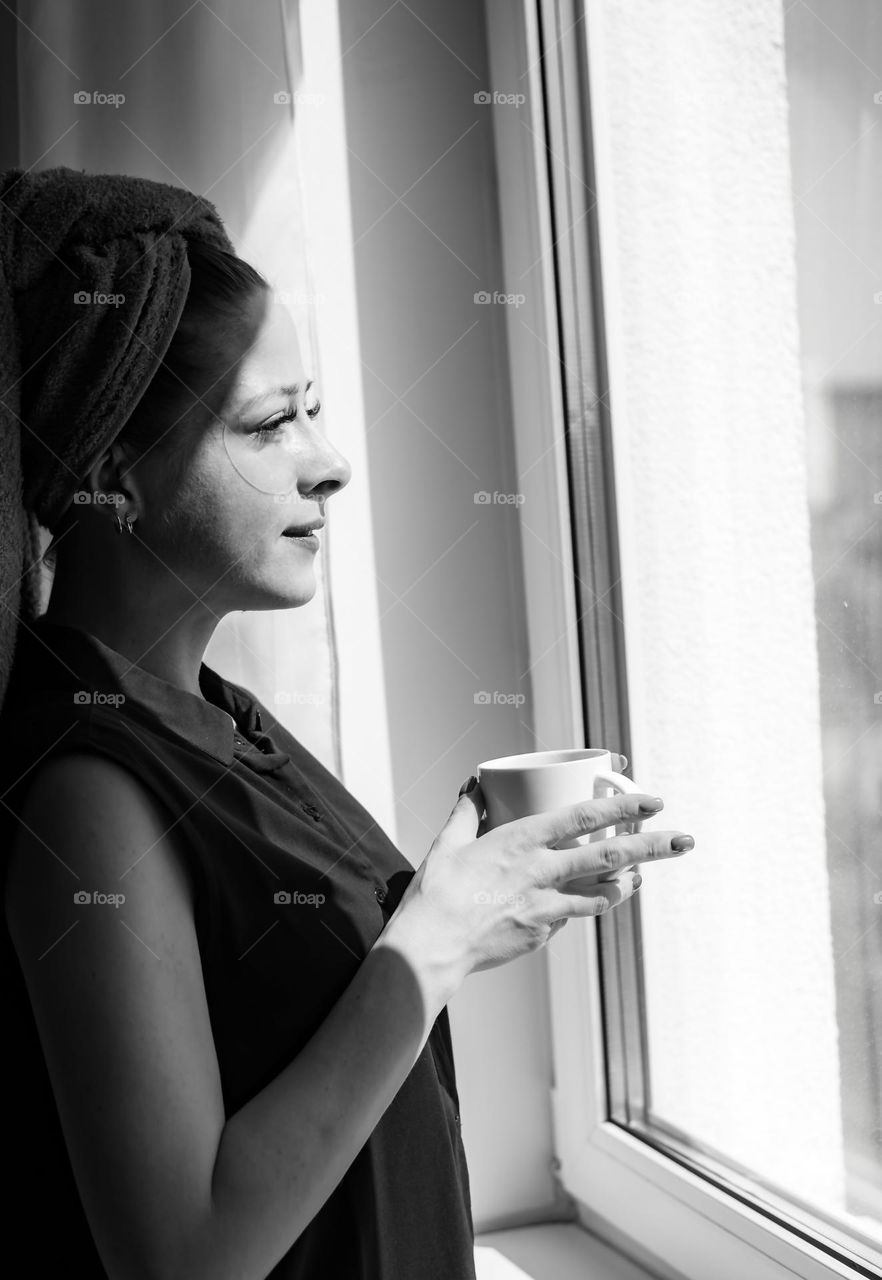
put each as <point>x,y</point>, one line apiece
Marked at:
<point>289,389</point>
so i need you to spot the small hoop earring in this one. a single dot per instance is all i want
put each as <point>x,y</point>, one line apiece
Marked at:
<point>130,522</point>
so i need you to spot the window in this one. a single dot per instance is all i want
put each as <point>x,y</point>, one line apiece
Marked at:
<point>712,175</point>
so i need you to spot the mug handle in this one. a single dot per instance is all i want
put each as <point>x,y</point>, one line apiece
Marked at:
<point>618,782</point>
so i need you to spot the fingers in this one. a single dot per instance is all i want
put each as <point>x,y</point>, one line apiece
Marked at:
<point>550,828</point>
<point>560,866</point>
<point>601,898</point>
<point>463,825</point>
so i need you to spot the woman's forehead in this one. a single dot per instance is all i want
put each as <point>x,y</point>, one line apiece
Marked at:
<point>275,359</point>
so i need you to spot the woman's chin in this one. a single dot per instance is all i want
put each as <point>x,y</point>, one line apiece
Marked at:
<point>293,589</point>
<point>274,594</point>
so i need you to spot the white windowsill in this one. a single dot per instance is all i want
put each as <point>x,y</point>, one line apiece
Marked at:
<point>552,1251</point>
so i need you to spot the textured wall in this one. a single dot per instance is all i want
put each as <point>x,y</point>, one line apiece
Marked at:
<point>697,221</point>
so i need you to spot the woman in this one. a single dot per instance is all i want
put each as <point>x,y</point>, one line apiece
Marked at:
<point>230,1051</point>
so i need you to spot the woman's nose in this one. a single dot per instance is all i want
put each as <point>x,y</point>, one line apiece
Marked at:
<point>335,470</point>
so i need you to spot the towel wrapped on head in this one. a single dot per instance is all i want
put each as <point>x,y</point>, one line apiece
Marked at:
<point>94,277</point>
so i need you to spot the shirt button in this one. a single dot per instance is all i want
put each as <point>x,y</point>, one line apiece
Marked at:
<point>382,894</point>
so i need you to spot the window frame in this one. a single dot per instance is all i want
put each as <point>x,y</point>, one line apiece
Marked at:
<point>655,1205</point>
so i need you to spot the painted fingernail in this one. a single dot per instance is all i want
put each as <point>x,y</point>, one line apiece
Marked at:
<point>638,880</point>
<point>652,805</point>
<point>681,843</point>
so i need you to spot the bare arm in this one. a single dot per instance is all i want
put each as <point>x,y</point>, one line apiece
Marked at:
<point>171,1188</point>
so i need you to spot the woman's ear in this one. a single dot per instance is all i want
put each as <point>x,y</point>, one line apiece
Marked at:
<point>115,472</point>
<point>112,484</point>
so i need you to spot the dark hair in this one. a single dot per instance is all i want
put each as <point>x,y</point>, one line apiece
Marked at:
<point>225,304</point>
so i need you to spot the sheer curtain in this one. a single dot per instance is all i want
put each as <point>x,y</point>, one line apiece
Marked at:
<point>212,101</point>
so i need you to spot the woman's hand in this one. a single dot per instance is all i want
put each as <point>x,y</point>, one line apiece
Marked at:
<point>478,901</point>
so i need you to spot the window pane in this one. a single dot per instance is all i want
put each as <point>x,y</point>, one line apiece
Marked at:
<point>745,160</point>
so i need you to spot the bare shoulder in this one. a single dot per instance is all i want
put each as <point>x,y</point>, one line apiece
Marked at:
<point>100,912</point>
<point>86,818</point>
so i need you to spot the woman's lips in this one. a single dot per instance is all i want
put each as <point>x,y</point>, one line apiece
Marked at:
<point>306,539</point>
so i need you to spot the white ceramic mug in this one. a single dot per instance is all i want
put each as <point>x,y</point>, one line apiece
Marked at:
<point>517,786</point>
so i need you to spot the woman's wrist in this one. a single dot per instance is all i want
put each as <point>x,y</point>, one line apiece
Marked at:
<point>439,965</point>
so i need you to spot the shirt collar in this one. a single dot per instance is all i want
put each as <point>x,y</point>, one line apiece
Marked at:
<point>206,722</point>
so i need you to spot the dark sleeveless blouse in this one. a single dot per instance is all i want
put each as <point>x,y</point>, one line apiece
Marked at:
<point>264,825</point>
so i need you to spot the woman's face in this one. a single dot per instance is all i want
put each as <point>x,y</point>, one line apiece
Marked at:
<point>218,528</point>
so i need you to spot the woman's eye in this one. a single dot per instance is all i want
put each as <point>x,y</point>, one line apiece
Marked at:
<point>267,429</point>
